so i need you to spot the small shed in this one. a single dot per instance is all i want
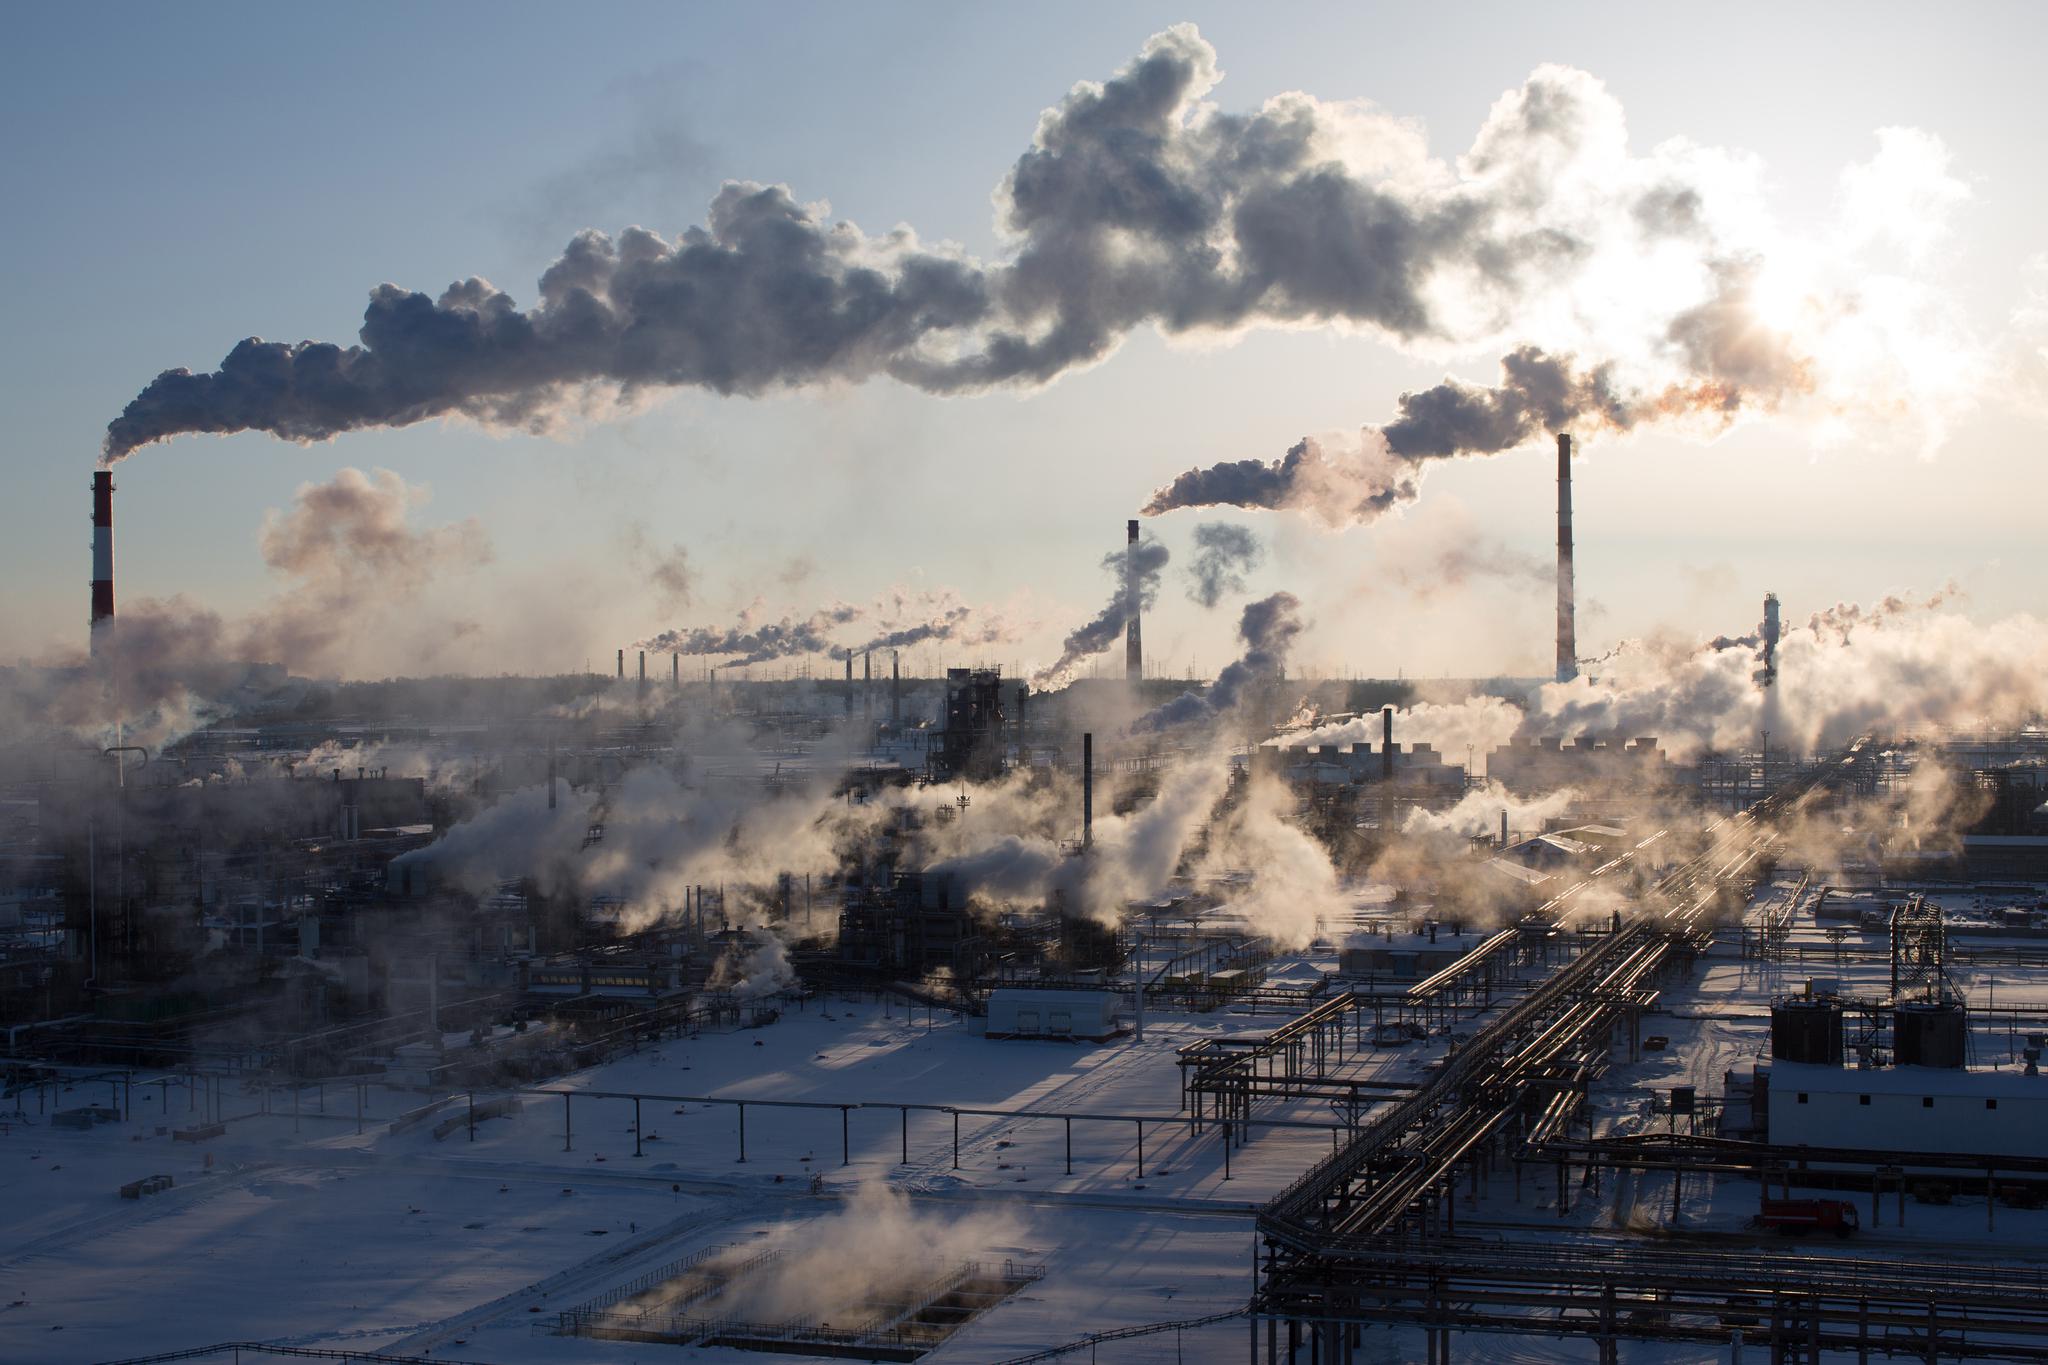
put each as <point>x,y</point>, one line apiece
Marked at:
<point>1090,1015</point>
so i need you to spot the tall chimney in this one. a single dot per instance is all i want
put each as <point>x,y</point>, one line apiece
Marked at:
<point>1503,826</point>
<point>622,665</point>
<point>1567,635</point>
<point>102,551</point>
<point>1769,675</point>
<point>1087,790</point>
<point>675,671</point>
<point>849,682</point>
<point>896,687</point>
<point>643,670</point>
<point>1386,744</point>
<point>1134,650</point>
<point>867,693</point>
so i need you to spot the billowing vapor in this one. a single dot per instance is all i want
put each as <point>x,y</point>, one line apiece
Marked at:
<point>1894,668</point>
<point>1140,201</point>
<point>1268,628</point>
<point>1145,562</point>
<point>1538,393</point>
<point>1224,554</point>
<point>660,834</point>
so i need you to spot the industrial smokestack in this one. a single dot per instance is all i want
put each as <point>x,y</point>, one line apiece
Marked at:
<point>1134,649</point>
<point>1769,676</point>
<point>622,665</point>
<point>1087,791</point>
<point>102,551</point>
<point>675,671</point>
<point>896,687</point>
<point>1567,629</point>
<point>1386,744</point>
<point>849,682</point>
<point>643,670</point>
<point>1503,827</point>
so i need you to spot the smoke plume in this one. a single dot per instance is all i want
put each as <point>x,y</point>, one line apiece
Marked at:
<point>1224,554</point>
<point>1140,201</point>
<point>1538,394</point>
<point>758,642</point>
<point>1145,561</point>
<point>1268,628</point>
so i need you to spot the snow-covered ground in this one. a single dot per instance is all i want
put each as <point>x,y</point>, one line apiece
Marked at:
<point>300,1229</point>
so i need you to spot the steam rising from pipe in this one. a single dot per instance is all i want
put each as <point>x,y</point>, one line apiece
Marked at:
<point>1136,570</point>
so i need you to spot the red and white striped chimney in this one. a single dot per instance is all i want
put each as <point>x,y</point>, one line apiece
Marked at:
<point>102,550</point>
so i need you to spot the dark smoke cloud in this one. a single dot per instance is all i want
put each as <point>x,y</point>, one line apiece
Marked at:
<point>1268,628</point>
<point>1224,554</point>
<point>1146,561</point>
<point>1138,202</point>
<point>1734,365</point>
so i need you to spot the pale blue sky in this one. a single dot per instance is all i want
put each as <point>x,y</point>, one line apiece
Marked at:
<point>181,177</point>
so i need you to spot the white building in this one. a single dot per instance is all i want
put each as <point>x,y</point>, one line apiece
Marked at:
<point>1909,1109</point>
<point>1091,1015</point>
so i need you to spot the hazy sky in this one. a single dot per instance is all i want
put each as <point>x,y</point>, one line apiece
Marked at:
<point>179,178</point>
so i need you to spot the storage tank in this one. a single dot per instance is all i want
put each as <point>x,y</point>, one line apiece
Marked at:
<point>1807,1030</point>
<point>1930,1033</point>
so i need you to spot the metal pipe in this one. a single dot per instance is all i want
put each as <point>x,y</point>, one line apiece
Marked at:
<point>1134,650</point>
<point>1087,791</point>
<point>102,552</point>
<point>1567,637</point>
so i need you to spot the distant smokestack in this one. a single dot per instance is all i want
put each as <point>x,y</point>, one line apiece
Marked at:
<point>102,551</point>
<point>643,670</point>
<point>1386,744</point>
<point>867,692</point>
<point>622,665</point>
<point>849,682</point>
<point>1134,649</point>
<point>1503,827</point>
<point>1567,632</point>
<point>1769,676</point>
<point>1087,791</point>
<point>896,687</point>
<point>675,671</point>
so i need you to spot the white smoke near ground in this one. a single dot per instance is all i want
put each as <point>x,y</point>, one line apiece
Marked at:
<point>876,1247</point>
<point>1477,813</point>
<point>442,768</point>
<point>1478,723</point>
<point>1889,672</point>
<point>1293,890</point>
<point>351,568</point>
<point>642,842</point>
<point>762,970</point>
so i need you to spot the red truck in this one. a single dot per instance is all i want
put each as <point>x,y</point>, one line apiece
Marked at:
<point>1797,1217</point>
